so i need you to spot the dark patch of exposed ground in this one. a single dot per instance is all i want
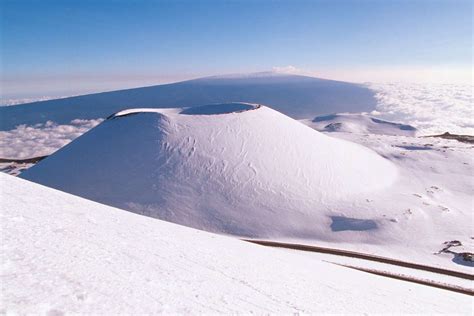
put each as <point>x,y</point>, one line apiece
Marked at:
<point>460,138</point>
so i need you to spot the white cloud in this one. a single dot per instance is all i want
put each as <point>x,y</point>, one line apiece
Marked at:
<point>287,69</point>
<point>41,139</point>
<point>432,108</point>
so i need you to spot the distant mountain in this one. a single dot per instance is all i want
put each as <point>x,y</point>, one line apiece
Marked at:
<point>296,96</point>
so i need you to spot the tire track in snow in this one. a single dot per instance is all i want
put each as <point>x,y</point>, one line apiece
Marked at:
<point>407,278</point>
<point>353,254</point>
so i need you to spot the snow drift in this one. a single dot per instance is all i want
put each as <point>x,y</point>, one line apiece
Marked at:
<point>360,124</point>
<point>236,168</point>
<point>65,255</point>
<point>296,96</point>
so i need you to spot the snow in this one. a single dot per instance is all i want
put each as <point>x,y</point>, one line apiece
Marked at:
<point>360,124</point>
<point>393,269</point>
<point>362,181</point>
<point>430,204</point>
<point>261,174</point>
<point>256,173</point>
<point>210,109</point>
<point>62,254</point>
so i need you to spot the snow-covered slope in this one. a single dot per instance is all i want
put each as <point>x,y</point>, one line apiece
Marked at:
<point>259,173</point>
<point>236,168</point>
<point>62,254</point>
<point>359,124</point>
<point>430,205</point>
<point>297,96</point>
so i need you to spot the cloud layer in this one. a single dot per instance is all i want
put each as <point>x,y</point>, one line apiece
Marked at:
<point>432,108</point>
<point>41,139</point>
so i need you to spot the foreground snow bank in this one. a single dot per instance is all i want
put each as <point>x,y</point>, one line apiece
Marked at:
<point>63,254</point>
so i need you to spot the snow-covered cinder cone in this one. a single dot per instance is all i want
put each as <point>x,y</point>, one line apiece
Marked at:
<point>236,168</point>
<point>358,123</point>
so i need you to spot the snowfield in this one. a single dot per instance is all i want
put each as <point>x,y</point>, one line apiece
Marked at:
<point>247,170</point>
<point>62,254</point>
<point>360,124</point>
<point>350,169</point>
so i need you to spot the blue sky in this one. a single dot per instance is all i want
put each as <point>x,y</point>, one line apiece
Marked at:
<point>69,47</point>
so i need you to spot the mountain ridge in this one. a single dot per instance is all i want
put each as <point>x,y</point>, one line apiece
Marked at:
<point>293,95</point>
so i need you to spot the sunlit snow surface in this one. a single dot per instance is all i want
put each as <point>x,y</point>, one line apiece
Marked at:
<point>260,174</point>
<point>235,168</point>
<point>65,255</point>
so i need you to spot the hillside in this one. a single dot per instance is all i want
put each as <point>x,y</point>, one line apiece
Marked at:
<point>257,173</point>
<point>63,254</point>
<point>238,168</point>
<point>358,123</point>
